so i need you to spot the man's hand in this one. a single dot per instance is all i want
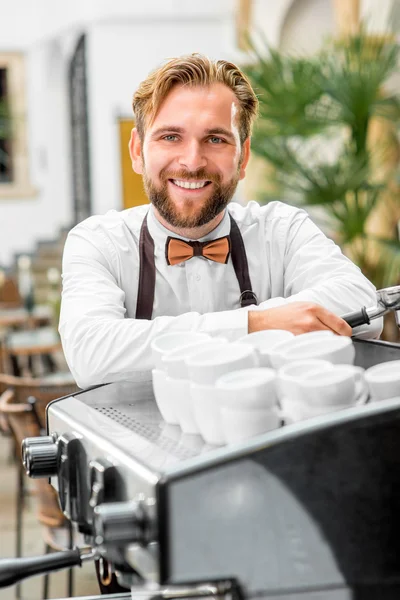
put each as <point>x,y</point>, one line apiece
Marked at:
<point>298,317</point>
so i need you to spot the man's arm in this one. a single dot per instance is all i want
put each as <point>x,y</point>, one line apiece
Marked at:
<point>298,317</point>
<point>100,344</point>
<point>320,284</point>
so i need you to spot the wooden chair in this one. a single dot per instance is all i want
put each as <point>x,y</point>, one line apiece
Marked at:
<point>3,351</point>
<point>9,294</point>
<point>22,404</point>
<point>22,349</point>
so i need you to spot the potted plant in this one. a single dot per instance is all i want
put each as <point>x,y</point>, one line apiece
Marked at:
<point>328,127</point>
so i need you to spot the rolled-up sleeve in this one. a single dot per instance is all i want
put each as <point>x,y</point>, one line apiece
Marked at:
<point>315,270</point>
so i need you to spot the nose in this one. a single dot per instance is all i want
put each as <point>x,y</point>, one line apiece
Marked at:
<point>192,156</point>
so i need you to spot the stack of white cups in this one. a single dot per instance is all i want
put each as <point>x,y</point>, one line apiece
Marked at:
<point>205,369</point>
<point>177,383</point>
<point>160,347</point>
<point>228,392</point>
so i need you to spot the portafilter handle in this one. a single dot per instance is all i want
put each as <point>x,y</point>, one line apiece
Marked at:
<point>13,570</point>
<point>388,300</point>
<point>358,317</point>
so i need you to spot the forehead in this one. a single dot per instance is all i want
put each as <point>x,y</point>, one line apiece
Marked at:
<point>212,105</point>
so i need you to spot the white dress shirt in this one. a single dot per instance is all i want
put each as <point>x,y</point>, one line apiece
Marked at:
<point>289,260</point>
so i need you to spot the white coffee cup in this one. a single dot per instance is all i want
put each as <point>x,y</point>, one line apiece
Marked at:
<point>207,366</point>
<point>300,412</point>
<point>206,410</point>
<point>265,341</point>
<point>248,403</point>
<point>162,396</point>
<point>384,380</point>
<point>314,335</point>
<point>248,389</point>
<point>174,362</point>
<point>177,388</point>
<point>241,424</point>
<point>166,342</point>
<point>336,349</point>
<point>276,353</point>
<point>289,375</point>
<point>279,350</point>
<point>337,388</point>
<point>178,391</point>
<point>343,385</point>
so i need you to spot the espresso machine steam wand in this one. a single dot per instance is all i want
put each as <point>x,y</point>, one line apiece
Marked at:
<point>388,300</point>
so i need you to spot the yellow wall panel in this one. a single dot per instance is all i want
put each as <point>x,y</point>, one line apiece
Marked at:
<point>132,184</point>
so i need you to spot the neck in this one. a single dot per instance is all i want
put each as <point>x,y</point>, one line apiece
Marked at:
<point>192,233</point>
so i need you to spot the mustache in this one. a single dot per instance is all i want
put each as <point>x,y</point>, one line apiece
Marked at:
<point>200,175</point>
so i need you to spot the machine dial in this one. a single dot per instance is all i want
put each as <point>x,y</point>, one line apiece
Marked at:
<point>122,523</point>
<point>40,456</point>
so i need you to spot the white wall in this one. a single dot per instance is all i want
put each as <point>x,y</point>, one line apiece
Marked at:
<point>25,220</point>
<point>297,36</point>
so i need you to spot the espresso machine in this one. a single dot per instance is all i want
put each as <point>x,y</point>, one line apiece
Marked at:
<point>305,512</point>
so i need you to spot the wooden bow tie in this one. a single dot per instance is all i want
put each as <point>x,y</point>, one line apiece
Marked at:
<point>177,251</point>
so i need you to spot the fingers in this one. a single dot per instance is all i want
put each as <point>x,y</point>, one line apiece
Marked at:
<point>333,322</point>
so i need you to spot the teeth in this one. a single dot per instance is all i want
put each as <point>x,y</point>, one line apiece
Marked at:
<point>189,186</point>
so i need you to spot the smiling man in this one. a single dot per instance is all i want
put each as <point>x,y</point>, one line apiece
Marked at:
<point>192,260</point>
<point>192,157</point>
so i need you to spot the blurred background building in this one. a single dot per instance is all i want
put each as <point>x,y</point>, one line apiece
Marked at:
<point>68,73</point>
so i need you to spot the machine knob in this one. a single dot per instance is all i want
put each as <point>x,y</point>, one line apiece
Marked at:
<point>40,456</point>
<point>121,523</point>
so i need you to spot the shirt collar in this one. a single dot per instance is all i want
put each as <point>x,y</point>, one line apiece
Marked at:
<point>159,233</point>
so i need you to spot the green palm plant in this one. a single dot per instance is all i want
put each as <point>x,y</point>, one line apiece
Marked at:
<point>315,123</point>
<point>5,131</point>
<point>5,120</point>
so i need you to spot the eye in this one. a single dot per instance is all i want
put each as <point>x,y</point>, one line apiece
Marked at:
<point>170,137</point>
<point>216,140</point>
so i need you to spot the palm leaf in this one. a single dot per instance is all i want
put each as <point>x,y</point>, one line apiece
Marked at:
<point>308,104</point>
<point>284,99</point>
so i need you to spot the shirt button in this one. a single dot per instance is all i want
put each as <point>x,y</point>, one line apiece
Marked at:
<point>198,277</point>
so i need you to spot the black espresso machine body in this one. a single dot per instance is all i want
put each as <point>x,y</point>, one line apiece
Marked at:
<point>308,511</point>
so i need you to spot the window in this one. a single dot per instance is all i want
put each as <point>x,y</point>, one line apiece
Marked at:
<point>14,167</point>
<point>5,131</point>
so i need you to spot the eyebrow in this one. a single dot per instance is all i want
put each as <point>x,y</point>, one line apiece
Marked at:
<point>221,131</point>
<point>178,129</point>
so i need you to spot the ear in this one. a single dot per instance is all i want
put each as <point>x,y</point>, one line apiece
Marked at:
<point>135,151</point>
<point>245,158</point>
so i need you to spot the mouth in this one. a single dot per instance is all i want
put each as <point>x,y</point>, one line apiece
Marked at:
<point>190,185</point>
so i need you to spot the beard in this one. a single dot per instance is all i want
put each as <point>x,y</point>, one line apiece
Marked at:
<point>210,208</point>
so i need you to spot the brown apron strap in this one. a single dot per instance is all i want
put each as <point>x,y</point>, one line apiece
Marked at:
<point>147,274</point>
<point>240,264</point>
<point>147,270</point>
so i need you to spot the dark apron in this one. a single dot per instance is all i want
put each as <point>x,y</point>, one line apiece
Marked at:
<point>147,272</point>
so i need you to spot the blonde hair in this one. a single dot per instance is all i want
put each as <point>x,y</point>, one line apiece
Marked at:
<point>194,69</point>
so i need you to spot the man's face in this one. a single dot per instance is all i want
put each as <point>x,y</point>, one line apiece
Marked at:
<point>191,158</point>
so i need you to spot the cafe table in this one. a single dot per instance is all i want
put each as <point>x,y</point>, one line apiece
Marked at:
<point>13,317</point>
<point>43,341</point>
